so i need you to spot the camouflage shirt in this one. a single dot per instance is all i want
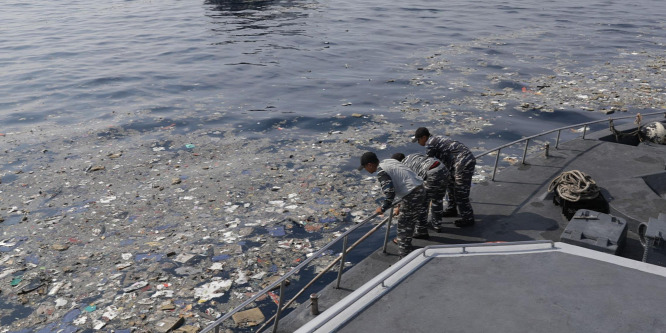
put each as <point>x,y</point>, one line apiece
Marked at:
<point>420,164</point>
<point>448,151</point>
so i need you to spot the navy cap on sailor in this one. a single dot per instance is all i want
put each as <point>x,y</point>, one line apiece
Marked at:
<point>368,157</point>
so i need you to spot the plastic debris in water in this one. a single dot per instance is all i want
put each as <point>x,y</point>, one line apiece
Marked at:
<point>123,265</point>
<point>16,281</point>
<point>163,293</point>
<point>212,290</point>
<point>8,242</point>
<point>241,279</point>
<point>183,258</point>
<point>135,286</point>
<point>581,130</point>
<point>107,199</point>
<point>98,324</point>
<point>56,287</point>
<point>147,256</point>
<point>278,203</point>
<point>187,270</point>
<point>110,313</point>
<point>80,321</point>
<point>60,302</point>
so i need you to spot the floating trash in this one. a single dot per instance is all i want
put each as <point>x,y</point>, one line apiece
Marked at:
<point>60,302</point>
<point>183,258</point>
<point>107,199</point>
<point>56,287</point>
<point>135,286</point>
<point>110,313</point>
<point>148,256</point>
<point>251,317</point>
<point>15,281</point>
<point>187,270</point>
<point>212,290</point>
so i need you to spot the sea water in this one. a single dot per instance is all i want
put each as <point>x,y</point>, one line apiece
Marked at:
<point>104,63</point>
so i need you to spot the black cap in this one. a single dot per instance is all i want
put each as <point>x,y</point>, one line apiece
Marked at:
<point>420,132</point>
<point>368,157</point>
<point>398,156</point>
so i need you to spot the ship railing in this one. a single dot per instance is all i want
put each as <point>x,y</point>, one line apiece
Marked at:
<point>526,140</point>
<point>216,325</point>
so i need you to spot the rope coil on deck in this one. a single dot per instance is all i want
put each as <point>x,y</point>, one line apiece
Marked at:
<point>574,185</point>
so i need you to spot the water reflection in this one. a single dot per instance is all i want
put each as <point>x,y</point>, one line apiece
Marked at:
<point>239,5</point>
<point>278,17</point>
<point>259,25</point>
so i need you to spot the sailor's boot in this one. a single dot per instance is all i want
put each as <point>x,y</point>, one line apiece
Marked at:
<point>450,211</point>
<point>463,223</point>
<point>435,222</point>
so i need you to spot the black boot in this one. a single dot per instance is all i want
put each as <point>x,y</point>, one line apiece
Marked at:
<point>421,236</point>
<point>462,223</point>
<point>450,212</point>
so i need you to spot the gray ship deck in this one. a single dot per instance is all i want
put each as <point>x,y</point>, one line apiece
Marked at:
<point>516,207</point>
<point>505,288</point>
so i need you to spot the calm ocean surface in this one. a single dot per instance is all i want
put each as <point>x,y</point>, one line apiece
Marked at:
<point>100,63</point>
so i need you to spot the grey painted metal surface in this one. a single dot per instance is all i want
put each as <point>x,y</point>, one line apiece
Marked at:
<point>505,288</point>
<point>596,231</point>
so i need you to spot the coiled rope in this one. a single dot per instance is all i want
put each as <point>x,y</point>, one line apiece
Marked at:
<point>574,185</point>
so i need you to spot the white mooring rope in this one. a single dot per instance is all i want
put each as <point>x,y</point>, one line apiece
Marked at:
<point>574,185</point>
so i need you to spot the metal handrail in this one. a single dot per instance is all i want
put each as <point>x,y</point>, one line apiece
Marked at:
<point>216,324</point>
<point>332,264</point>
<point>557,143</point>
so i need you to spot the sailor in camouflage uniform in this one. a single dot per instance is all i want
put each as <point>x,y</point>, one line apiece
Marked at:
<point>436,179</point>
<point>399,182</point>
<point>460,161</point>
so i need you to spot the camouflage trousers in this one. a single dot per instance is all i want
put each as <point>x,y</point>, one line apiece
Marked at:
<point>413,213</point>
<point>436,182</point>
<point>458,194</point>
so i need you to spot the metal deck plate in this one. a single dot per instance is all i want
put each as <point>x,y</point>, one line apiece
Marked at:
<point>505,288</point>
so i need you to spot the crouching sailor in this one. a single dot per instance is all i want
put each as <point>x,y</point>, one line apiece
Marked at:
<point>399,182</point>
<point>436,179</point>
<point>460,161</point>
